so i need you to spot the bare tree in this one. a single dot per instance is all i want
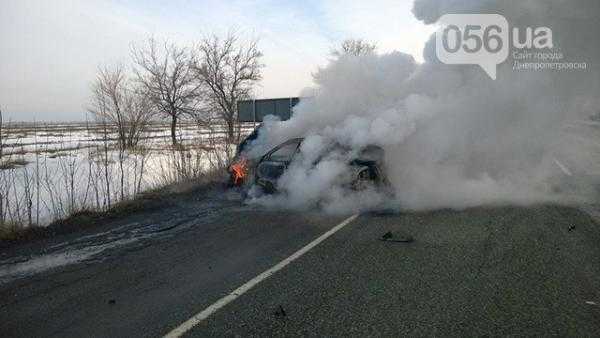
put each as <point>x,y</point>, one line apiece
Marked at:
<point>139,112</point>
<point>354,47</point>
<point>108,100</point>
<point>117,102</point>
<point>165,76</point>
<point>228,69</point>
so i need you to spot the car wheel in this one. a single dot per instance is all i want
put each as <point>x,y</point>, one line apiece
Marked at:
<point>268,188</point>
<point>364,180</point>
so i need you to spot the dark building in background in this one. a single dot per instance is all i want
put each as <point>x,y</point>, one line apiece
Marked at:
<point>256,110</point>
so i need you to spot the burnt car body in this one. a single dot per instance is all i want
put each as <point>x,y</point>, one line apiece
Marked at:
<point>366,167</point>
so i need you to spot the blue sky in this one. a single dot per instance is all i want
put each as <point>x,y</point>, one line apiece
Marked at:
<point>51,49</point>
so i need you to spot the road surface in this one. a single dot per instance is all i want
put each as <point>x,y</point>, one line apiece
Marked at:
<point>482,271</point>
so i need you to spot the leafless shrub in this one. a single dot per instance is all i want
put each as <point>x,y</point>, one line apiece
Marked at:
<point>37,177</point>
<point>181,164</point>
<point>106,165</point>
<point>218,153</point>
<point>28,193</point>
<point>92,180</point>
<point>139,168</point>
<point>139,114</point>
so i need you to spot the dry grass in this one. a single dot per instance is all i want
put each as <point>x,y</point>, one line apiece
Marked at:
<point>186,175</point>
<point>13,164</point>
<point>10,231</point>
<point>85,219</point>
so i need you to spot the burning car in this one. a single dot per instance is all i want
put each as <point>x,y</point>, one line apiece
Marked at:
<point>366,167</point>
<point>241,164</point>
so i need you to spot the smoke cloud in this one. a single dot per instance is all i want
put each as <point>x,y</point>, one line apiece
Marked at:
<point>453,138</point>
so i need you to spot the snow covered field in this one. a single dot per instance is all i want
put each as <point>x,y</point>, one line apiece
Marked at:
<point>49,171</point>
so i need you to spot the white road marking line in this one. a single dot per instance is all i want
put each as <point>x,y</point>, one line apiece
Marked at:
<point>198,318</point>
<point>562,167</point>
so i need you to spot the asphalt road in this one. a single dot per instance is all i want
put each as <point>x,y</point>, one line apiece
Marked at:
<point>478,272</point>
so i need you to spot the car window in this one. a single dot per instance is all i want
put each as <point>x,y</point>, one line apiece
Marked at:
<point>284,153</point>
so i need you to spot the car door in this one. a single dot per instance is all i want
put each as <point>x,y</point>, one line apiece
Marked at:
<point>275,162</point>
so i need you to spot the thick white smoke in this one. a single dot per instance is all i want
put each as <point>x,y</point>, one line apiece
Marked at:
<point>452,136</point>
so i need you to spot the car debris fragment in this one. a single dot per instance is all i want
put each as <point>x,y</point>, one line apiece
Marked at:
<point>398,238</point>
<point>280,313</point>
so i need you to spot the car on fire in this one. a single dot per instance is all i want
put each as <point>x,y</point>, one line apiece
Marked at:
<point>366,167</point>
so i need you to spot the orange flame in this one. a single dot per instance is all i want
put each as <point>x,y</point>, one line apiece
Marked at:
<point>239,170</point>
